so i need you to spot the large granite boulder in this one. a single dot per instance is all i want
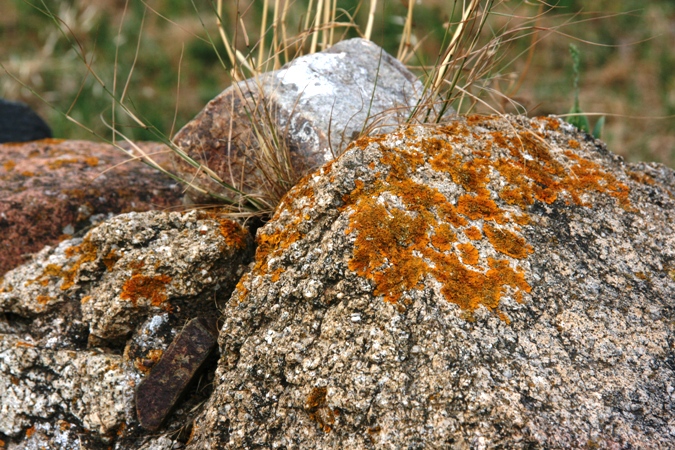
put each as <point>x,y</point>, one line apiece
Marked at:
<point>496,282</point>
<point>53,189</point>
<point>309,111</point>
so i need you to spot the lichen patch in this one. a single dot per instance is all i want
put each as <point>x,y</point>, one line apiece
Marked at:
<point>449,205</point>
<point>500,175</point>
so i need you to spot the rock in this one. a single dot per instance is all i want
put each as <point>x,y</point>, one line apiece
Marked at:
<point>491,282</point>
<point>495,282</point>
<point>84,322</point>
<point>315,106</point>
<point>51,190</point>
<point>19,123</point>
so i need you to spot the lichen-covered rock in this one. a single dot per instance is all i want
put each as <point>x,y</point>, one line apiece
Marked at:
<point>496,282</point>
<point>84,322</point>
<point>316,105</point>
<point>53,189</point>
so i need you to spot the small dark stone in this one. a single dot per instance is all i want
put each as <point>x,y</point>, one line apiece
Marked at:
<point>19,123</point>
<point>158,393</point>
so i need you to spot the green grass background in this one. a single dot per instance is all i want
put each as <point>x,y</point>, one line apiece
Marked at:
<point>631,72</point>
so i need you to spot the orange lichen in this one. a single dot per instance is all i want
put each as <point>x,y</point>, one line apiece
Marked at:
<point>277,274</point>
<point>43,299</point>
<point>9,165</point>
<point>469,253</point>
<point>480,207</point>
<point>400,243</point>
<point>110,259</point>
<point>151,358</point>
<point>398,248</point>
<point>473,233</point>
<point>443,238</point>
<point>142,286</point>
<point>317,409</point>
<point>87,252</point>
<point>507,242</point>
<point>573,143</point>
<point>394,247</point>
<point>641,177</point>
<point>551,123</point>
<point>58,163</point>
<point>235,235</point>
<point>30,431</point>
<point>24,344</point>
<point>91,161</point>
<point>241,288</point>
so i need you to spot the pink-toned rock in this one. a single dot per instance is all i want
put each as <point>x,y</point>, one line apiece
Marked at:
<point>51,189</point>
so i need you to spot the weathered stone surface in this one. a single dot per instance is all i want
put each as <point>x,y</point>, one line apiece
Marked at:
<point>316,104</point>
<point>93,388</point>
<point>51,189</point>
<point>498,282</point>
<point>84,322</point>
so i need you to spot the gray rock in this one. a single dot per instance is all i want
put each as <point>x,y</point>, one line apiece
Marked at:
<point>497,282</point>
<point>316,105</point>
<point>83,323</point>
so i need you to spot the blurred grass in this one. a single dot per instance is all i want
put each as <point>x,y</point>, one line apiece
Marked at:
<point>632,72</point>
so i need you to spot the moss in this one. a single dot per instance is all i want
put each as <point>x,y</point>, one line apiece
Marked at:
<point>142,286</point>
